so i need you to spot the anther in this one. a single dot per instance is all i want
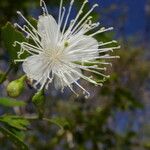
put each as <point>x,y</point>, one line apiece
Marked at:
<point>15,24</point>
<point>19,13</point>
<point>95,5</point>
<point>86,1</point>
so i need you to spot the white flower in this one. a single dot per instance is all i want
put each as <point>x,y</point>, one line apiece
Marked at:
<point>62,50</point>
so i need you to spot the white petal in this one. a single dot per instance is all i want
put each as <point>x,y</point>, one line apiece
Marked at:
<point>48,28</point>
<point>60,82</point>
<point>84,43</point>
<point>36,67</point>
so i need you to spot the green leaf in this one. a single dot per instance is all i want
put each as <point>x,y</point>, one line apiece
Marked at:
<point>9,36</point>
<point>125,99</point>
<point>15,121</point>
<point>2,77</point>
<point>15,139</point>
<point>146,145</point>
<point>59,121</point>
<point>19,133</point>
<point>9,102</point>
<point>33,21</point>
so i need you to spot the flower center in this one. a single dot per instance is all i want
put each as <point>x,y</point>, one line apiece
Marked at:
<point>57,56</point>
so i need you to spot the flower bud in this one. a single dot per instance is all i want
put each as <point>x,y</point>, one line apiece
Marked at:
<point>39,100</point>
<point>16,87</point>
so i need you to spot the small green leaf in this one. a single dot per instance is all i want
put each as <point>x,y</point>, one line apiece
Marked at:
<point>2,77</point>
<point>19,133</point>
<point>9,36</point>
<point>9,102</point>
<point>59,121</point>
<point>15,139</point>
<point>33,21</point>
<point>15,121</point>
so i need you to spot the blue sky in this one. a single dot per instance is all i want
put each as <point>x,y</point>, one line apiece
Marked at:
<point>136,20</point>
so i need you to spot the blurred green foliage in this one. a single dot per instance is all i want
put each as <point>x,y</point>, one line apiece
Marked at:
<point>8,102</point>
<point>72,123</point>
<point>9,33</point>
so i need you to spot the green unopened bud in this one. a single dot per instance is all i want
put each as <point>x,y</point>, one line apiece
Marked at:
<point>39,100</point>
<point>16,87</point>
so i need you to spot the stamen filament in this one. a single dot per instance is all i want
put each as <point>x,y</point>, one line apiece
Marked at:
<point>86,15</point>
<point>101,31</point>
